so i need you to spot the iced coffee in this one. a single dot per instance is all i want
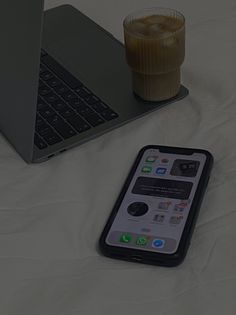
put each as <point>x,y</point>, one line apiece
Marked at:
<point>155,49</point>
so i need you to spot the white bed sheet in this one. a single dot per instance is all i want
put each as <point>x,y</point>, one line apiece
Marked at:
<point>52,214</point>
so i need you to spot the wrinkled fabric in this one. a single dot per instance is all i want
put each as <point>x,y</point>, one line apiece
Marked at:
<point>52,214</point>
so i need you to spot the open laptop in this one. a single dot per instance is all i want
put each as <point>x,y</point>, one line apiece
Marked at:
<point>64,80</point>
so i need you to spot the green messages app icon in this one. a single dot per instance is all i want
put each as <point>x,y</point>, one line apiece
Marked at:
<point>125,238</point>
<point>142,240</point>
<point>146,169</point>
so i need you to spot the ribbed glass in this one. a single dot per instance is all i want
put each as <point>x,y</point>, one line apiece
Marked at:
<point>155,49</point>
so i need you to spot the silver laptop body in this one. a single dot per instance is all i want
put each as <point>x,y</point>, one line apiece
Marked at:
<point>82,47</point>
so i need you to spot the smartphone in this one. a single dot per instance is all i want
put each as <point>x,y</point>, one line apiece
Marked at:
<point>154,216</point>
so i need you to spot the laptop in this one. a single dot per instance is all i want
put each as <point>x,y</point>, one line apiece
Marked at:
<point>64,80</point>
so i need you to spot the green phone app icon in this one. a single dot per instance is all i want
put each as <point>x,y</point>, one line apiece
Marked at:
<point>125,238</point>
<point>142,240</point>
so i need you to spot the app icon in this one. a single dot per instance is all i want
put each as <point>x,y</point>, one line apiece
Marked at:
<point>151,159</point>
<point>161,170</point>
<point>146,169</point>
<point>137,209</point>
<point>164,205</point>
<point>164,161</point>
<point>186,168</point>
<point>180,206</point>
<point>158,243</point>
<point>142,240</point>
<point>159,218</point>
<point>125,238</point>
<point>176,219</point>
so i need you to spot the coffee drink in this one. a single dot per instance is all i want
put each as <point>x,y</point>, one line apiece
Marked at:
<point>155,49</point>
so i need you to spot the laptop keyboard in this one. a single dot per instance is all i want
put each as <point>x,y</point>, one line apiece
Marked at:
<point>66,107</point>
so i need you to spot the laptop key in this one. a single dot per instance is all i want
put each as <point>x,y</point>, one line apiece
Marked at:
<point>41,104</point>
<point>52,138</point>
<point>51,98</point>
<point>60,106</point>
<point>47,111</point>
<point>43,125</point>
<point>99,107</point>
<point>69,96</point>
<point>39,142</point>
<point>76,103</point>
<point>83,92</point>
<point>54,82</point>
<point>84,110</point>
<point>54,119</point>
<point>46,131</point>
<point>79,124</point>
<point>64,130</point>
<point>42,69</point>
<point>92,99</point>
<point>61,89</point>
<point>109,114</point>
<point>95,120</point>
<point>47,75</point>
<point>67,112</point>
<point>61,72</point>
<point>44,90</point>
<point>39,121</point>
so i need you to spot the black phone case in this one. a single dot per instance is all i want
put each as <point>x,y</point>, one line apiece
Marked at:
<point>168,260</point>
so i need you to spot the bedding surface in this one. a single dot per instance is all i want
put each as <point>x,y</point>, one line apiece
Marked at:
<point>52,214</point>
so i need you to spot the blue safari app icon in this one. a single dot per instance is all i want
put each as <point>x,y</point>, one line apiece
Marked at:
<point>158,243</point>
<point>161,170</point>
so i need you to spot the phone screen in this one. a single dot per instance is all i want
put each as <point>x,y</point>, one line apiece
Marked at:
<point>155,208</point>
